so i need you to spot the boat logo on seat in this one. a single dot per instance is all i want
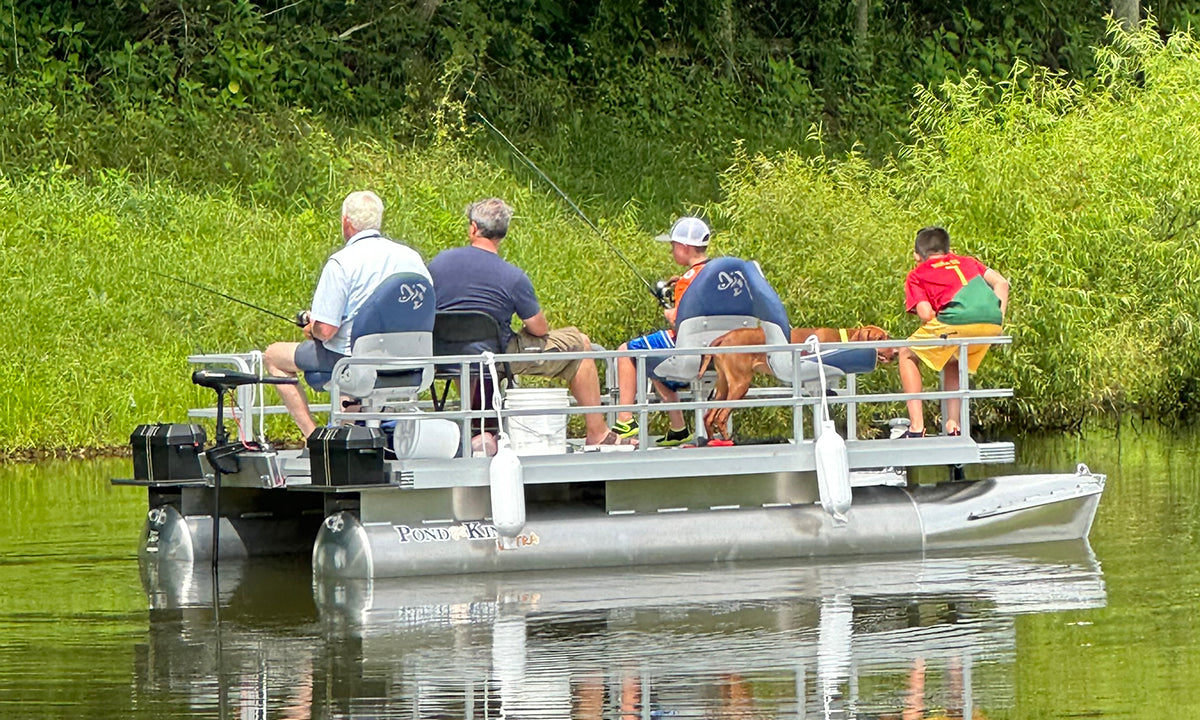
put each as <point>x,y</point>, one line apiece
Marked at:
<point>735,281</point>
<point>414,294</point>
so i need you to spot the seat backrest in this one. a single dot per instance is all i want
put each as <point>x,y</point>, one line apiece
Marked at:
<point>396,321</point>
<point>729,293</point>
<point>465,332</point>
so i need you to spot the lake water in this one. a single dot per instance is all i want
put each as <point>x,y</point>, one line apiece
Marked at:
<point>1060,631</point>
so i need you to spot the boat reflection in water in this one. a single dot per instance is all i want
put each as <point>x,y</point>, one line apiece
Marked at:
<point>864,639</point>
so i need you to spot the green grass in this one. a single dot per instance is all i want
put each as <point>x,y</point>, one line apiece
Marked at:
<point>1082,194</point>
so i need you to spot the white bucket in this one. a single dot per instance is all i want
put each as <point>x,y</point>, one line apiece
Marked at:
<point>537,434</point>
<point>425,438</point>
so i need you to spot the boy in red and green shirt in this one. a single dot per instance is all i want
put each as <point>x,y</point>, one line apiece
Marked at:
<point>955,296</point>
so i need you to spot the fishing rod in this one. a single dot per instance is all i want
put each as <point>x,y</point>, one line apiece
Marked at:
<point>298,320</point>
<point>658,295</point>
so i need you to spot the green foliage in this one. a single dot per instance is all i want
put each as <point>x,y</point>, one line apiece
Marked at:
<point>1082,195</point>
<point>1080,190</point>
<point>649,95</point>
<point>103,341</point>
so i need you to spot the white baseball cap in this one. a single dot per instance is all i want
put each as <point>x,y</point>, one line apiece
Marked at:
<point>687,231</point>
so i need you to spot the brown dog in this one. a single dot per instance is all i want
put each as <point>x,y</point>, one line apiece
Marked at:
<point>736,370</point>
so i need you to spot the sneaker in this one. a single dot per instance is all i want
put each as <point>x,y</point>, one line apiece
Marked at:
<point>910,434</point>
<point>674,438</point>
<point>625,428</point>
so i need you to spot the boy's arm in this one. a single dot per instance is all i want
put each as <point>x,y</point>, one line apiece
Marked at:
<point>924,310</point>
<point>999,286</point>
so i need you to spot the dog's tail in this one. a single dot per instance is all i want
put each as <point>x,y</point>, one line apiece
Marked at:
<point>708,359</point>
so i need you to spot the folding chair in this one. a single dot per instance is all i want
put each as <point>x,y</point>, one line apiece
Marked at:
<point>466,332</point>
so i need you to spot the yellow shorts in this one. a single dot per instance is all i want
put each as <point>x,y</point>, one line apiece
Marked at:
<point>936,356</point>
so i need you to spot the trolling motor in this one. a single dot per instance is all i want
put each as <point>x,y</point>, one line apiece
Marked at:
<point>223,454</point>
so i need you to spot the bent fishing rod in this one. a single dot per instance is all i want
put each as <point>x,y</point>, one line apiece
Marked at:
<point>300,319</point>
<point>525,159</point>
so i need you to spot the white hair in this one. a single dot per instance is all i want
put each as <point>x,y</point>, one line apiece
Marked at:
<point>364,210</point>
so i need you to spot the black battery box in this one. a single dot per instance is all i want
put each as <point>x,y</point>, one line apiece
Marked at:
<point>347,455</point>
<point>165,452</point>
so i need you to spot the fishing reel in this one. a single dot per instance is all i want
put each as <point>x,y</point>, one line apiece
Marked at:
<point>664,290</point>
<point>303,318</point>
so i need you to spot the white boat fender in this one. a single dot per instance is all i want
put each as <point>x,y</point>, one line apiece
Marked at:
<point>829,451</point>
<point>505,474</point>
<point>508,493</point>
<point>833,472</point>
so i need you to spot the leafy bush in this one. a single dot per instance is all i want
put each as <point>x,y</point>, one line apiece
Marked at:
<point>1080,193</point>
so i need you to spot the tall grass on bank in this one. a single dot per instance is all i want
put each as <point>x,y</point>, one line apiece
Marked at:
<point>1083,195</point>
<point>100,342</point>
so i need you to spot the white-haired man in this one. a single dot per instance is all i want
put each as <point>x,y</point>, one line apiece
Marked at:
<point>349,277</point>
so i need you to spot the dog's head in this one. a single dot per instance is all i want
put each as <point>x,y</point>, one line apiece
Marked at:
<point>872,333</point>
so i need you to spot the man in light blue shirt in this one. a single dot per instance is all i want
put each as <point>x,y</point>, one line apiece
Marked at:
<point>348,279</point>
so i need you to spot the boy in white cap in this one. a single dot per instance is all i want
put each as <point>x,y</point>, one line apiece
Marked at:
<point>689,248</point>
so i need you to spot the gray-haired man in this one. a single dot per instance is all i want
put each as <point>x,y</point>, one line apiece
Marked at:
<point>475,277</point>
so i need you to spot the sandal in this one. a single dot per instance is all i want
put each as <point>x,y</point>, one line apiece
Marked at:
<point>612,441</point>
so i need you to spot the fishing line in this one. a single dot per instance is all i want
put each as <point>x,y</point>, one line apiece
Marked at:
<point>198,286</point>
<point>525,159</point>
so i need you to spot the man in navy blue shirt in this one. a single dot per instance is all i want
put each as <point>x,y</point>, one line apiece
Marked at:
<point>475,277</point>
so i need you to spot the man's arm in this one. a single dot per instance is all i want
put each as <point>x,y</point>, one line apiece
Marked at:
<point>318,330</point>
<point>999,286</point>
<point>536,325</point>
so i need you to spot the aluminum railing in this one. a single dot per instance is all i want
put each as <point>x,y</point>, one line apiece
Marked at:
<point>798,396</point>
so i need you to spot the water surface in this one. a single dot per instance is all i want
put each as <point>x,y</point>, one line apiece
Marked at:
<point>1057,631</point>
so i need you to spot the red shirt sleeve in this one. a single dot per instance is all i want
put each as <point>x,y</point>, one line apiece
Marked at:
<point>913,292</point>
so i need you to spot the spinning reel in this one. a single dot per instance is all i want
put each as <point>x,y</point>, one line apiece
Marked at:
<point>664,290</point>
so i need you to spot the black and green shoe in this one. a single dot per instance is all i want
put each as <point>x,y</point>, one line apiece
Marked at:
<point>625,428</point>
<point>675,438</point>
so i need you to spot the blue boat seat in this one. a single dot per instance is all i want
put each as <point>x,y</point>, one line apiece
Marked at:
<point>839,362</point>
<point>731,293</point>
<point>728,294</point>
<point>396,321</point>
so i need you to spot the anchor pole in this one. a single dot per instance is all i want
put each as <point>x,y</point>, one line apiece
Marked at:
<point>220,440</point>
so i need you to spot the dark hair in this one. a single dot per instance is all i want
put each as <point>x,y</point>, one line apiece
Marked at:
<point>932,240</point>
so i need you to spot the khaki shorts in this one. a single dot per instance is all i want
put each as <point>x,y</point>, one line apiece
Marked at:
<point>936,356</point>
<point>567,339</point>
